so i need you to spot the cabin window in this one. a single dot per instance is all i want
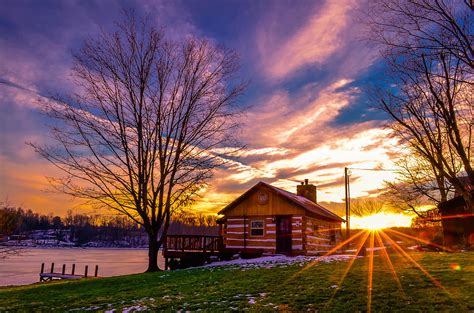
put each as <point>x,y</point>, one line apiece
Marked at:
<point>256,228</point>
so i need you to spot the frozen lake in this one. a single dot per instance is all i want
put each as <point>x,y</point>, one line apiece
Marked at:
<point>24,268</point>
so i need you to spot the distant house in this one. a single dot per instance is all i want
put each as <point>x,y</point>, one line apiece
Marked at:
<point>273,220</point>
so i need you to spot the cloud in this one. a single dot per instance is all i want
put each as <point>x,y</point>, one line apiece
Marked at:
<point>292,137</point>
<point>295,121</point>
<point>290,133</point>
<point>300,123</point>
<point>313,43</point>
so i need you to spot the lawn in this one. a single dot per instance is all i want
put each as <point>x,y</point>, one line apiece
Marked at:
<point>286,288</point>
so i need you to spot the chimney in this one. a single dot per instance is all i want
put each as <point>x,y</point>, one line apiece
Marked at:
<point>307,190</point>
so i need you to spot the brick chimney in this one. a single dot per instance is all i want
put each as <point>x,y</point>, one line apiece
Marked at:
<point>307,190</point>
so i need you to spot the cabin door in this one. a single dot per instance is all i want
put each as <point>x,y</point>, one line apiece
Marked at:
<point>283,234</point>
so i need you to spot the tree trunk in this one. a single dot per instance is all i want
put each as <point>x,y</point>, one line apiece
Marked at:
<point>153,248</point>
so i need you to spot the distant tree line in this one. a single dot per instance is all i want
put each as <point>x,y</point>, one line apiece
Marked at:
<point>83,228</point>
<point>17,220</point>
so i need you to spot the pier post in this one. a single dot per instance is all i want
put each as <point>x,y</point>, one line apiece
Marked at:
<point>85,271</point>
<point>52,267</point>
<point>42,268</point>
<point>64,269</point>
<point>96,270</point>
<point>73,269</point>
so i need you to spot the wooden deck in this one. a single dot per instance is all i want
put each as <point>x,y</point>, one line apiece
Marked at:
<point>192,243</point>
<point>182,251</point>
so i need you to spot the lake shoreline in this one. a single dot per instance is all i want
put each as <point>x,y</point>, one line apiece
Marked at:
<point>24,268</point>
<point>20,247</point>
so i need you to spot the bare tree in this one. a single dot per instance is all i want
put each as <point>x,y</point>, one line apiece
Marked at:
<point>418,183</point>
<point>428,47</point>
<point>433,115</point>
<point>416,27</point>
<point>9,220</point>
<point>141,135</point>
<point>367,206</point>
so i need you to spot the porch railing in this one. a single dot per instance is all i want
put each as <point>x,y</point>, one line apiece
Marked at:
<point>193,243</point>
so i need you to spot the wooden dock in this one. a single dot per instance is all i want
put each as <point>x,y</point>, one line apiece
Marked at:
<point>181,251</point>
<point>63,275</point>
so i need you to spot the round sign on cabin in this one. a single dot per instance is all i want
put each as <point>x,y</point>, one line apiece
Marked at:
<point>262,198</point>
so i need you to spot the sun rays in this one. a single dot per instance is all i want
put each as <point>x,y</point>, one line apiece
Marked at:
<point>332,251</point>
<point>377,244</point>
<point>370,271</point>
<point>388,261</point>
<point>349,266</point>
<point>419,239</point>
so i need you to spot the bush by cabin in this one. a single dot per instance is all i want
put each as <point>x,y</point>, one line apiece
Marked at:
<point>271,220</point>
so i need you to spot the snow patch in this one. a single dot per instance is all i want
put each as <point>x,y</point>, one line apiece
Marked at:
<point>278,260</point>
<point>135,308</point>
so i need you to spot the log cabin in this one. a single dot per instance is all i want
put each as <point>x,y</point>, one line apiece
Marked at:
<point>272,220</point>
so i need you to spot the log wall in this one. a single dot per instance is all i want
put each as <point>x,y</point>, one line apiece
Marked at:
<point>237,233</point>
<point>320,235</point>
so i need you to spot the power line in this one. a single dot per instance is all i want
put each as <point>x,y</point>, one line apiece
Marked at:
<point>373,169</point>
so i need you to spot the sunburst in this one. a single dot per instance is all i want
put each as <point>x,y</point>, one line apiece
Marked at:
<point>371,238</point>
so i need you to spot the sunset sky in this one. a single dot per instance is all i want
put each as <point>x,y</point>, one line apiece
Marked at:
<point>309,113</point>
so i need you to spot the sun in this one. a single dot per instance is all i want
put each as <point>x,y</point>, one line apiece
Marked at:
<point>381,221</point>
<point>374,222</point>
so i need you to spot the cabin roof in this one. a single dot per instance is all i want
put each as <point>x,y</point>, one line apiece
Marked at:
<point>298,200</point>
<point>453,202</point>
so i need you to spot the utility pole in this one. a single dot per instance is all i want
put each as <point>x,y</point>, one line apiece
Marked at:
<point>348,202</point>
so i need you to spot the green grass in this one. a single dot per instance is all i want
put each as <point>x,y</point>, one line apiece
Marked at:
<point>224,289</point>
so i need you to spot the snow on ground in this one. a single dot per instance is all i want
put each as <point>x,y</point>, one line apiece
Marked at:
<point>135,308</point>
<point>278,260</point>
<point>136,305</point>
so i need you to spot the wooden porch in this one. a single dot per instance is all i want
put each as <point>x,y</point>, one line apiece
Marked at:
<point>181,251</point>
